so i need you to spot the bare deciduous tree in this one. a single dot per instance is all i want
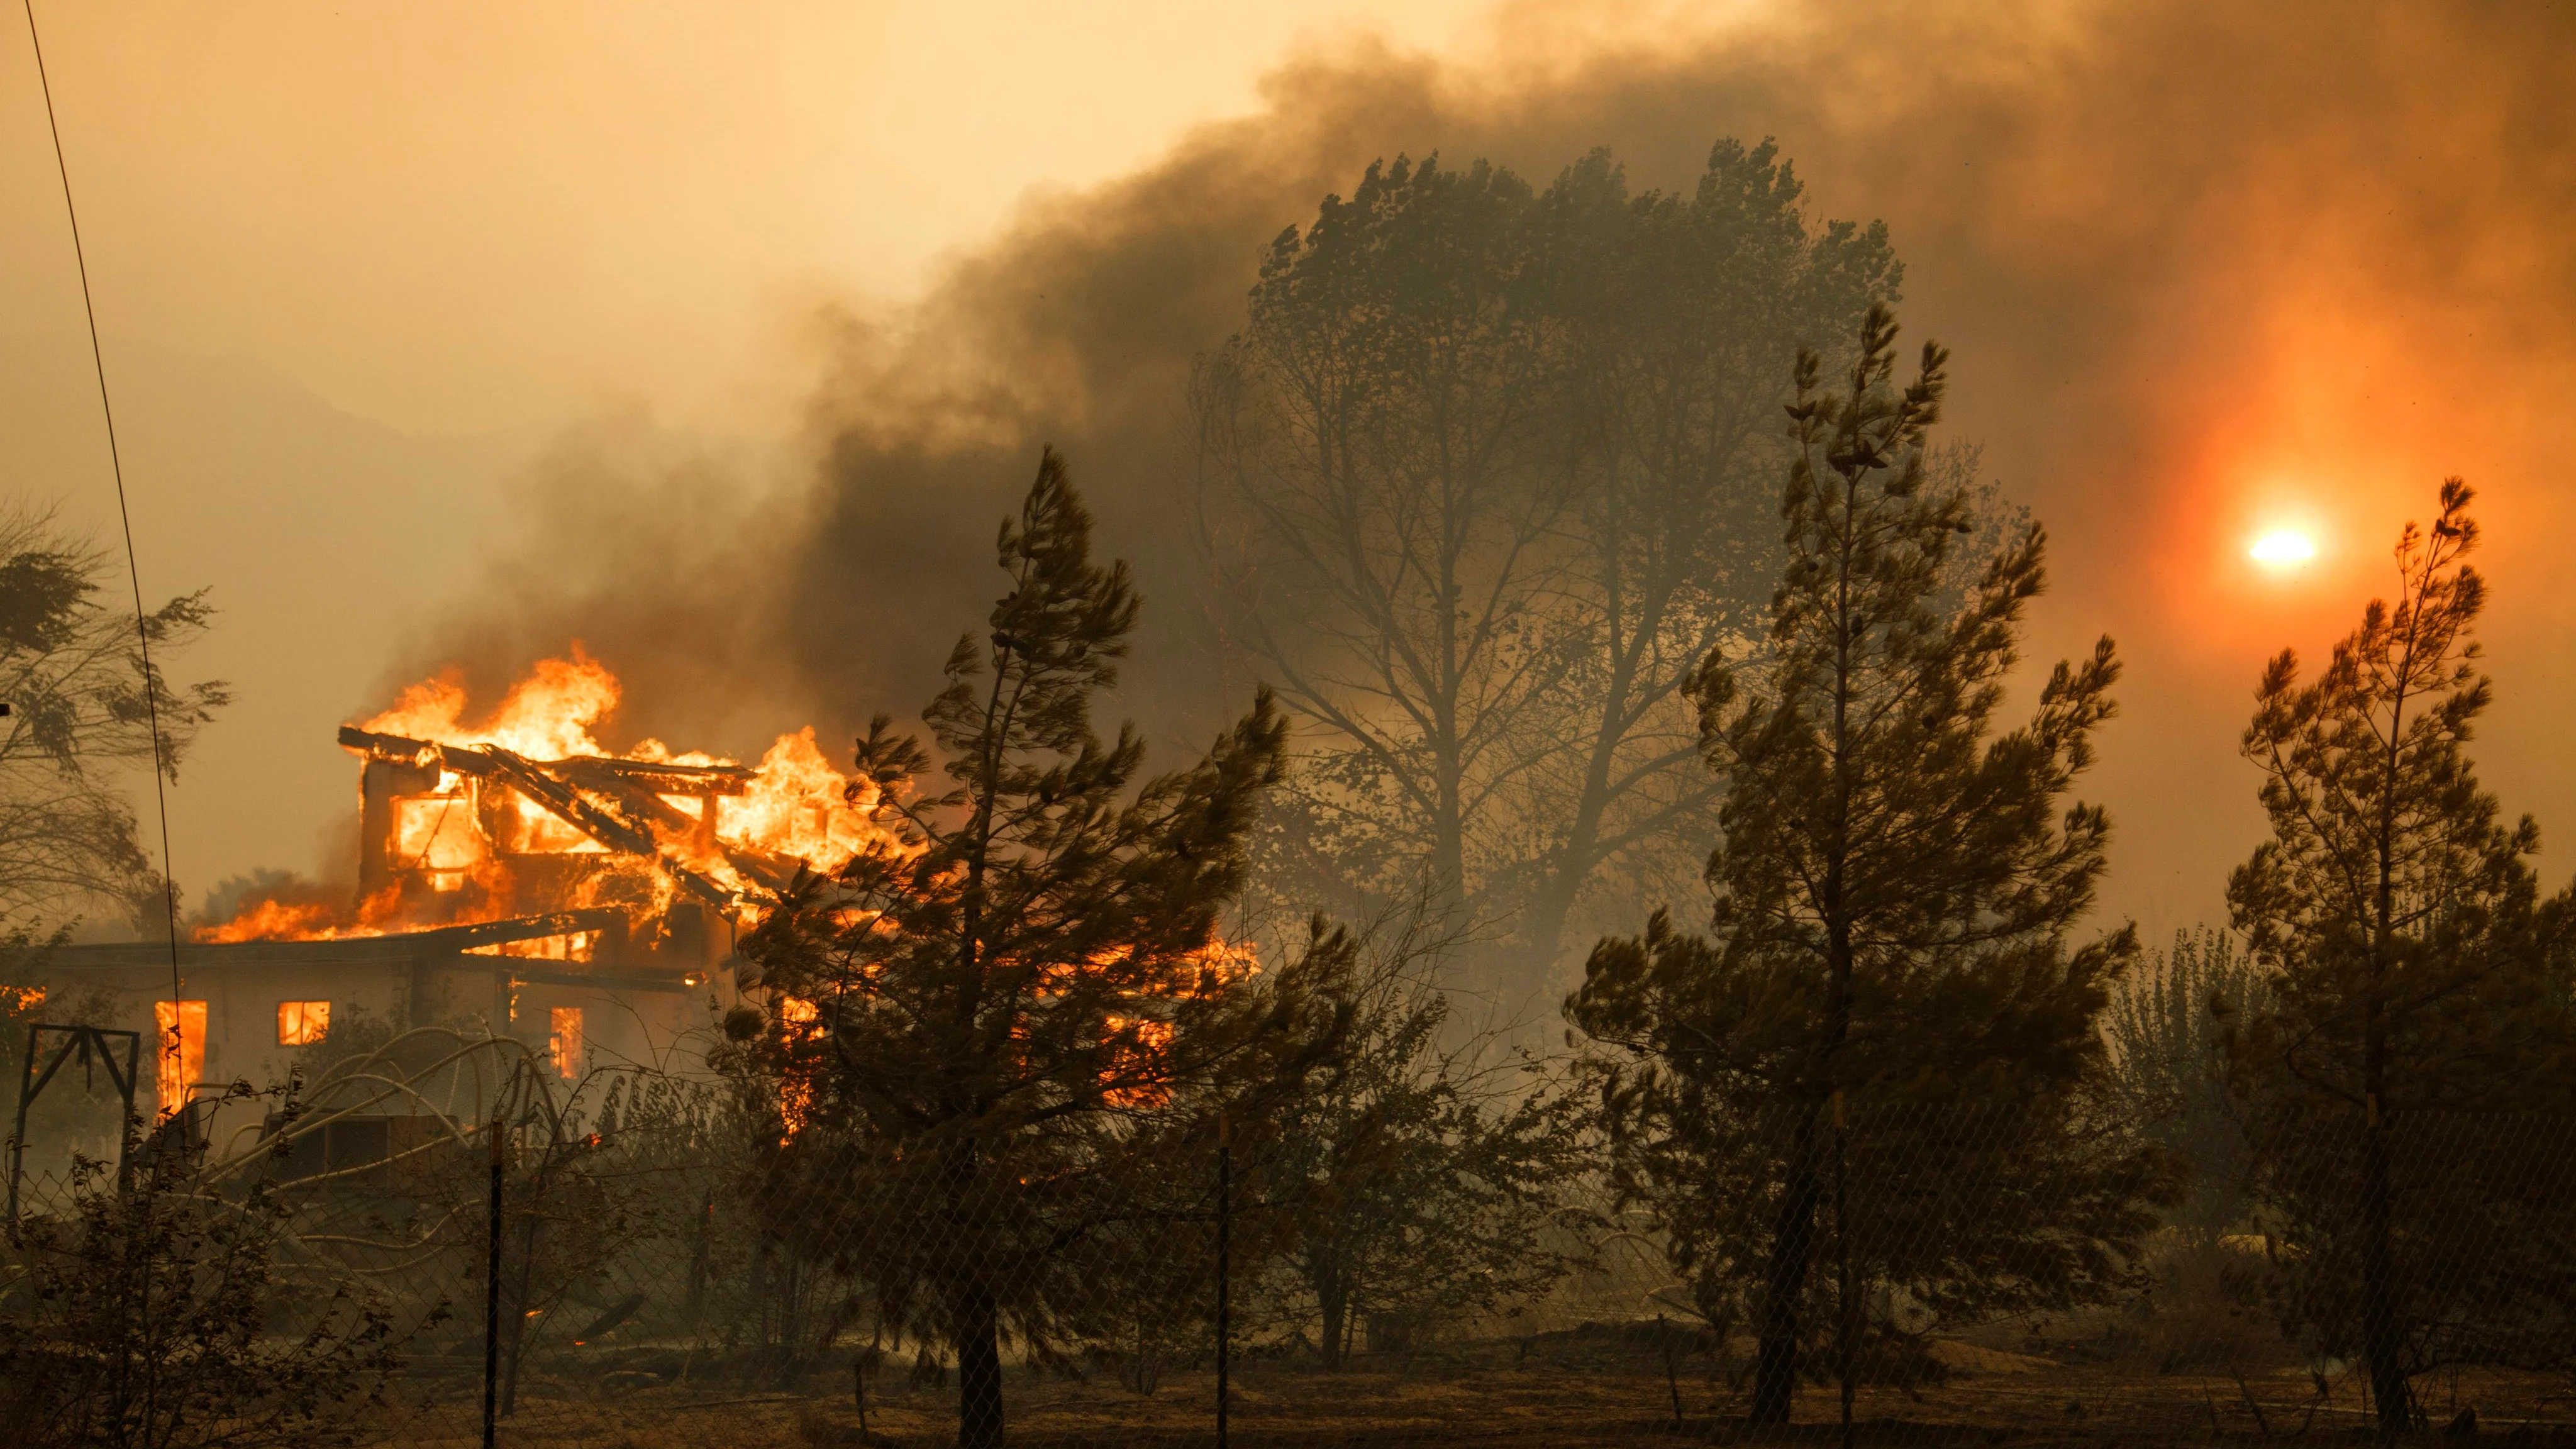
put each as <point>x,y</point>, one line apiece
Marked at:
<point>1485,479</point>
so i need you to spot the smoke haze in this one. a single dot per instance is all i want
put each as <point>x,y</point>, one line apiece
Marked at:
<point>2204,267</point>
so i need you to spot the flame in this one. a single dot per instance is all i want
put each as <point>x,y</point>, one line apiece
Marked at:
<point>546,716</point>
<point>270,921</point>
<point>799,806</point>
<point>276,920</point>
<point>461,847</point>
<point>576,946</point>
<point>1140,1066</point>
<point>1222,962</point>
<point>797,1018</point>
<point>183,1051</point>
<point>303,1023</point>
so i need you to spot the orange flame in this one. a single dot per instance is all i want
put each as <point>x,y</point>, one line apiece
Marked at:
<point>269,921</point>
<point>796,1021</point>
<point>546,716</point>
<point>463,842</point>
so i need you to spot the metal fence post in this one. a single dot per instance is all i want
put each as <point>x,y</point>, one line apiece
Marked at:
<point>1843,1329</point>
<point>1224,1227</point>
<point>492,1294</point>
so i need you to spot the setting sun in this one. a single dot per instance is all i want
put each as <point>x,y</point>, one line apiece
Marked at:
<point>2283,548</point>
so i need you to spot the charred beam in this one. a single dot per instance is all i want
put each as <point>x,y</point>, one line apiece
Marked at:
<point>522,973</point>
<point>667,779</point>
<point>522,928</point>
<point>635,785</point>
<point>393,749</point>
<point>639,801</point>
<point>655,776</point>
<point>644,804</point>
<point>609,829</point>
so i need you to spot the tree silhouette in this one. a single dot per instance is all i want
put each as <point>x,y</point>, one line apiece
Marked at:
<point>1486,476</point>
<point>2401,932</point>
<point>1886,1013</point>
<point>975,1024</point>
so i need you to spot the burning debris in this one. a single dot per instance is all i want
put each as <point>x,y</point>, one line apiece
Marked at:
<point>527,816</point>
<point>513,877</point>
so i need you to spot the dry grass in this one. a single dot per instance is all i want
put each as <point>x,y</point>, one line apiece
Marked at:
<point>1586,1386</point>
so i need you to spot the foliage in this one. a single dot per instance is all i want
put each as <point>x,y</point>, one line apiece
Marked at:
<point>2414,1002</point>
<point>574,1205</point>
<point>1886,1010</point>
<point>82,708</point>
<point>972,1027</point>
<point>158,1315</point>
<point>1418,1180</point>
<point>1482,476</point>
<point>2169,1030</point>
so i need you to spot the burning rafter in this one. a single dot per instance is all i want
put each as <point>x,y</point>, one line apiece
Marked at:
<point>658,776</point>
<point>617,803</point>
<point>526,811</point>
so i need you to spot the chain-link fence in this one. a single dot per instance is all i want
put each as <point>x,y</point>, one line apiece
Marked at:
<point>447,1231</point>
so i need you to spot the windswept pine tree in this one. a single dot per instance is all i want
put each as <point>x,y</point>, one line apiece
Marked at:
<point>974,1029</point>
<point>1884,1056</point>
<point>2413,1016</point>
<point>84,710</point>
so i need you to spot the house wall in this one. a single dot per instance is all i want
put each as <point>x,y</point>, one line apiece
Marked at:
<point>242,986</point>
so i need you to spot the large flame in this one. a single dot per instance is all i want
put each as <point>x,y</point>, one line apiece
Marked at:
<point>795,808</point>
<point>546,716</point>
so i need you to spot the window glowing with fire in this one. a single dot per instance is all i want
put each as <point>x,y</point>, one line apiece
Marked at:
<point>564,1041</point>
<point>181,1061</point>
<point>302,1023</point>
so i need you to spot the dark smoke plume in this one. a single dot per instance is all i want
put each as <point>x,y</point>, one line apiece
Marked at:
<point>2189,256</point>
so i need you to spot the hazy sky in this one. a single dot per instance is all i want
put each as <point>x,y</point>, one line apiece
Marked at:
<point>463,216</point>
<point>390,292</point>
<point>356,263</point>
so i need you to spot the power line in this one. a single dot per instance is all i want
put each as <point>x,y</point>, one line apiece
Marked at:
<point>124,519</point>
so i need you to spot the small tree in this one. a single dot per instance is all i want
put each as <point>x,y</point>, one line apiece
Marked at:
<point>155,1314</point>
<point>1886,1018</point>
<point>81,707</point>
<point>1417,1179</point>
<point>973,1021</point>
<point>2402,937</point>
<point>2170,1028</point>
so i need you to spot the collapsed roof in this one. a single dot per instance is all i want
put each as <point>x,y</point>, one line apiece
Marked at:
<point>623,806</point>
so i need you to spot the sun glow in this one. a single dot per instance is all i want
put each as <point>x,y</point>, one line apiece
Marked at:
<point>2283,548</point>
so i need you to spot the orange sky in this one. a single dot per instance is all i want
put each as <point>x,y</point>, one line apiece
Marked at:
<point>357,265</point>
<point>2207,268</point>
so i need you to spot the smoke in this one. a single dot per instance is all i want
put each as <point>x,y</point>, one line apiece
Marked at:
<point>2200,263</point>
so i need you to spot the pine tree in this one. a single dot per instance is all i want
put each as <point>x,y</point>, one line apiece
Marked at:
<point>978,1024</point>
<point>2400,929</point>
<point>1885,1017</point>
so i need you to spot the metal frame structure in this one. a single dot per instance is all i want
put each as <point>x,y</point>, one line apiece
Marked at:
<point>31,1085</point>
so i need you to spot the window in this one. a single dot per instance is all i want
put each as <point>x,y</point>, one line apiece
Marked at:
<point>565,1043</point>
<point>302,1023</point>
<point>181,1060</point>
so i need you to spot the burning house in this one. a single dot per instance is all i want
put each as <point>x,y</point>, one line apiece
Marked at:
<point>512,877</point>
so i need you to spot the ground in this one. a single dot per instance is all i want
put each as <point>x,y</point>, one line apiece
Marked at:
<point>1583,1386</point>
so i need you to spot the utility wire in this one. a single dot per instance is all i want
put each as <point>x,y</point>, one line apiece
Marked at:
<point>125,520</point>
